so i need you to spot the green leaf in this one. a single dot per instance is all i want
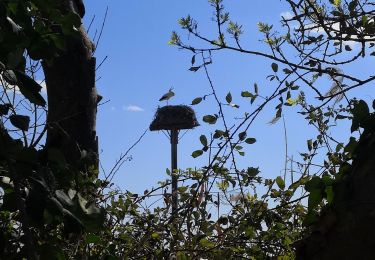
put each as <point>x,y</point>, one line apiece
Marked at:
<point>246,94</point>
<point>242,136</point>
<point>309,144</point>
<point>206,243</point>
<point>250,140</point>
<point>329,193</point>
<point>155,235</point>
<point>4,109</point>
<point>238,147</point>
<point>92,216</point>
<point>20,122</point>
<point>63,198</point>
<point>69,23</point>
<point>72,193</point>
<point>192,60</point>
<point>364,20</point>
<point>197,153</point>
<point>275,67</point>
<point>2,66</point>
<point>15,58</point>
<point>15,27</point>
<point>182,189</point>
<point>194,69</point>
<point>54,206</point>
<point>228,98</point>
<point>337,2</point>
<point>352,5</point>
<point>71,223</point>
<point>218,134</point>
<point>315,197</point>
<point>83,205</point>
<point>10,77</point>
<point>196,101</point>
<point>361,112</point>
<point>92,239</point>
<point>210,119</point>
<point>311,218</point>
<point>203,140</point>
<point>314,183</point>
<point>252,172</point>
<point>280,182</point>
<point>6,183</point>
<point>223,220</point>
<point>30,89</point>
<point>351,146</point>
<point>256,88</point>
<point>327,180</point>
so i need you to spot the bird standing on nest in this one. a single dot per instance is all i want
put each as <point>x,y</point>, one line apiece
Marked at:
<point>167,95</point>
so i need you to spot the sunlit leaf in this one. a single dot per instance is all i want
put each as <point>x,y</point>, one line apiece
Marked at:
<point>228,98</point>
<point>315,197</point>
<point>242,136</point>
<point>197,153</point>
<point>203,140</point>
<point>280,182</point>
<point>210,119</point>
<point>196,101</point>
<point>250,140</point>
<point>246,94</point>
<point>20,122</point>
<point>275,67</point>
<point>92,239</point>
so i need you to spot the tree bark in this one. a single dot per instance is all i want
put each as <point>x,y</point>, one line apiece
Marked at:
<point>72,98</point>
<point>346,229</point>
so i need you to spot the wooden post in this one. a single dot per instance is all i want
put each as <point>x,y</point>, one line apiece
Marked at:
<point>174,142</point>
<point>174,171</point>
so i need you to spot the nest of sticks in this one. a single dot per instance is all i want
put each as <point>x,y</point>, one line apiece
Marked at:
<point>174,118</point>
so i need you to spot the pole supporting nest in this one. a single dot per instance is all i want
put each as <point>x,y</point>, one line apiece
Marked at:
<point>173,119</point>
<point>174,171</point>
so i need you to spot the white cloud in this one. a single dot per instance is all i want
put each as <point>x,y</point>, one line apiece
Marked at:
<point>336,27</point>
<point>42,83</point>
<point>352,44</point>
<point>287,15</point>
<point>133,108</point>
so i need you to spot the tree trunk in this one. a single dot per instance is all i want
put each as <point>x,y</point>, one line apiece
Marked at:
<point>72,98</point>
<point>347,229</point>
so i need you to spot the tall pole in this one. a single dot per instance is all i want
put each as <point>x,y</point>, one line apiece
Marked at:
<point>174,142</point>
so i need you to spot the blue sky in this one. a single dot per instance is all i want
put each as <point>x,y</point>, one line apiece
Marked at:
<point>141,66</point>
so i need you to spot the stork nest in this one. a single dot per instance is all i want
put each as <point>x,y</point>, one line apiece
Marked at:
<point>174,118</point>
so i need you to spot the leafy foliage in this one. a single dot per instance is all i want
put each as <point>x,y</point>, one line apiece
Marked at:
<point>50,209</point>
